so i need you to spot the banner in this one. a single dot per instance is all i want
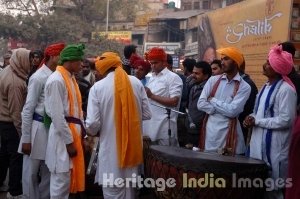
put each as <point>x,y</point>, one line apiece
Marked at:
<point>253,26</point>
<point>170,48</point>
<point>123,37</point>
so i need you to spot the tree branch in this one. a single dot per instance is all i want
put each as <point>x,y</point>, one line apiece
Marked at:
<point>26,8</point>
<point>35,7</point>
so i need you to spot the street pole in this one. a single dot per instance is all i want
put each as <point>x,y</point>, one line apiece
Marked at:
<point>107,14</point>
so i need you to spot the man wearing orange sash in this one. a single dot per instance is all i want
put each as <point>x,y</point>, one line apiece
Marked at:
<point>117,105</point>
<point>64,154</point>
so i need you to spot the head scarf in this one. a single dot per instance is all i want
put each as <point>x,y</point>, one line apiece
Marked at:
<point>52,50</point>
<point>73,52</point>
<point>127,118</point>
<point>20,62</point>
<point>136,61</point>
<point>156,54</point>
<point>233,53</point>
<point>281,62</point>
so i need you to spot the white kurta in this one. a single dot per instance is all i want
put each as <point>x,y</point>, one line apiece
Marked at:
<point>221,108</point>
<point>164,84</point>
<point>281,124</point>
<point>100,117</point>
<point>57,107</point>
<point>34,132</point>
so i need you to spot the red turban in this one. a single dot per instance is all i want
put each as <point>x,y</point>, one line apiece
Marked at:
<point>136,61</point>
<point>156,54</point>
<point>52,50</point>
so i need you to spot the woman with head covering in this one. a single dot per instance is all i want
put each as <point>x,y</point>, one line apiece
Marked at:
<point>64,156</point>
<point>274,113</point>
<point>13,91</point>
<point>117,105</point>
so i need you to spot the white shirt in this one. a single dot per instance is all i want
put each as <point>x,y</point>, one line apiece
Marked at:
<point>222,107</point>
<point>57,107</point>
<point>281,125</point>
<point>164,84</point>
<point>34,132</point>
<point>100,117</point>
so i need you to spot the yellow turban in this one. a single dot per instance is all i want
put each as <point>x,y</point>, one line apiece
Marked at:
<point>232,53</point>
<point>127,117</point>
<point>107,61</point>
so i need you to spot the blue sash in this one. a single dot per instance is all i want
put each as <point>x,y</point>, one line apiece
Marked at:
<point>268,112</point>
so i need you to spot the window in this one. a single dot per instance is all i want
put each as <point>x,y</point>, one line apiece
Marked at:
<point>196,5</point>
<point>206,5</point>
<point>194,35</point>
<point>187,6</point>
<point>230,2</point>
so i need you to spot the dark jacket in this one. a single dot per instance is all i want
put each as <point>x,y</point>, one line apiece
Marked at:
<point>295,78</point>
<point>195,115</point>
<point>249,106</point>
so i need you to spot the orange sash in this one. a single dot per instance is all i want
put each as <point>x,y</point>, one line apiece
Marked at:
<point>77,172</point>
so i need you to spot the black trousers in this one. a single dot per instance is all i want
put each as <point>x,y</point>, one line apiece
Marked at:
<point>10,158</point>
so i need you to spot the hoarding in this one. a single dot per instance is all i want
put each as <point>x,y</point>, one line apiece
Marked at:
<point>170,48</point>
<point>251,26</point>
<point>123,37</point>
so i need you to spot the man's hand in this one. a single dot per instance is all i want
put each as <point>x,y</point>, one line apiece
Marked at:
<point>71,150</point>
<point>148,92</point>
<point>249,122</point>
<point>26,148</point>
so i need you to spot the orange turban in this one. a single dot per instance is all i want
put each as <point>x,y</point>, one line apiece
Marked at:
<point>232,53</point>
<point>127,117</point>
<point>106,61</point>
<point>156,54</point>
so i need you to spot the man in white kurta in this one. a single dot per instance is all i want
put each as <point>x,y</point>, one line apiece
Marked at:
<point>228,102</point>
<point>101,118</point>
<point>164,89</point>
<point>60,148</point>
<point>34,133</point>
<point>275,120</point>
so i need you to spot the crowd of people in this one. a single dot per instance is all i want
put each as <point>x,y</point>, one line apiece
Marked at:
<point>52,102</point>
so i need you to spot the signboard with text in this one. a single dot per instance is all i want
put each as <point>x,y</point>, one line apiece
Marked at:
<point>251,26</point>
<point>123,37</point>
<point>170,48</point>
